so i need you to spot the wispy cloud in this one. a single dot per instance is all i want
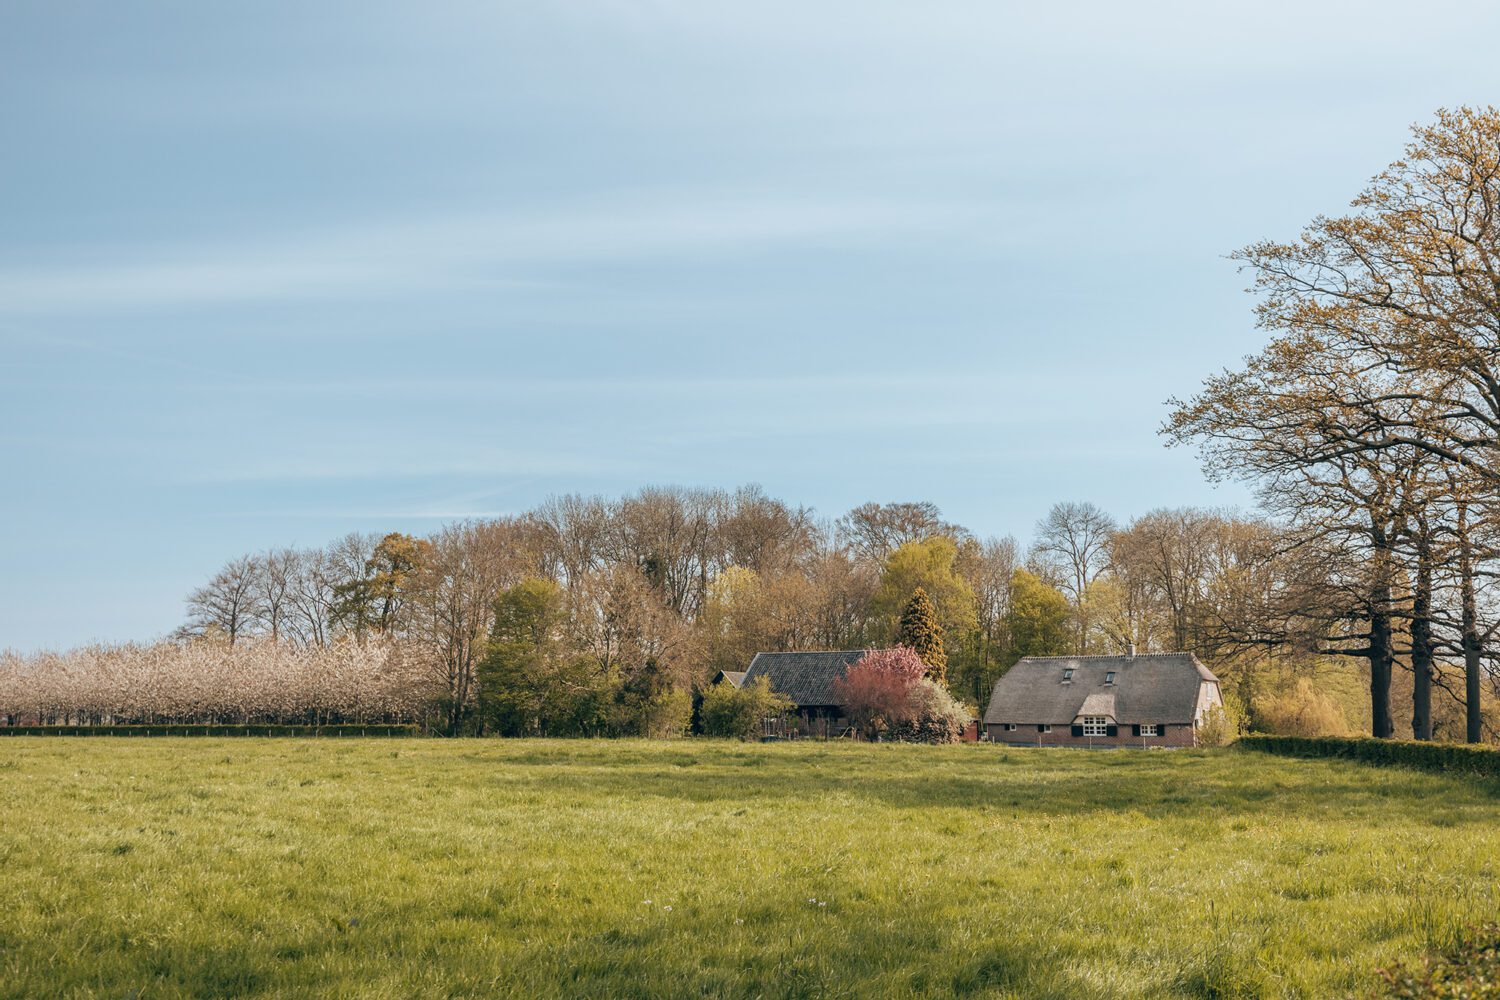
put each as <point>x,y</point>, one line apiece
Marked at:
<point>455,252</point>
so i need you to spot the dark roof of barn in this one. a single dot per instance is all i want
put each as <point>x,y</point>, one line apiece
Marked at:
<point>1148,688</point>
<point>806,678</point>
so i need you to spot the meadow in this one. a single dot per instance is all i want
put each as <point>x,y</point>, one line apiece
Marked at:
<point>427,868</point>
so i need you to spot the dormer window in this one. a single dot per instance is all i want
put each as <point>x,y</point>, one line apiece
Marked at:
<point>1068,674</point>
<point>1109,677</point>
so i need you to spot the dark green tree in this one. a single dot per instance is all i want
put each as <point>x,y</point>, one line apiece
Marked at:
<point>532,681</point>
<point>920,631</point>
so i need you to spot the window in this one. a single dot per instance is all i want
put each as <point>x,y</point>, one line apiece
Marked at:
<point>1150,729</point>
<point>1067,674</point>
<point>1044,729</point>
<point>1095,725</point>
<point>1010,727</point>
<point>1109,677</point>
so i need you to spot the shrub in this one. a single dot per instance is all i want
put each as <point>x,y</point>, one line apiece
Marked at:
<point>1222,724</point>
<point>876,691</point>
<point>525,693</point>
<point>1302,710</point>
<point>1470,970</point>
<point>1462,757</point>
<point>886,693</point>
<point>935,716</point>
<point>738,713</point>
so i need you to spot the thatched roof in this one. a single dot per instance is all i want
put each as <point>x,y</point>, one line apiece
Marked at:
<point>1147,688</point>
<point>734,678</point>
<point>806,678</point>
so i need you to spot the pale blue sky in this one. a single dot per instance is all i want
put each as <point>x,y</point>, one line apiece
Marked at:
<point>272,272</point>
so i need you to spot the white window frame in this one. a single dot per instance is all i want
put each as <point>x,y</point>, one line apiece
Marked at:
<point>1010,727</point>
<point>1095,725</point>
<point>1150,729</point>
<point>1045,728</point>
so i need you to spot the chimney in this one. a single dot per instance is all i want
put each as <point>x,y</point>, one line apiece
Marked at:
<point>1130,649</point>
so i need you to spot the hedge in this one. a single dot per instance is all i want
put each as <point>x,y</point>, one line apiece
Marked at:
<point>1464,757</point>
<point>347,729</point>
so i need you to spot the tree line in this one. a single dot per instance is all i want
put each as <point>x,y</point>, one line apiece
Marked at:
<point>591,615</point>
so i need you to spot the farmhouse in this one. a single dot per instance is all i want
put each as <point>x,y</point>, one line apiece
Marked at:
<point>1150,700</point>
<point>808,680</point>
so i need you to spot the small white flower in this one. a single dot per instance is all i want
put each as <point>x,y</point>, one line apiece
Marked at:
<point>822,903</point>
<point>645,902</point>
<point>667,908</point>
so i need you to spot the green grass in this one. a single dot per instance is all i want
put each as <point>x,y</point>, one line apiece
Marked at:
<point>201,867</point>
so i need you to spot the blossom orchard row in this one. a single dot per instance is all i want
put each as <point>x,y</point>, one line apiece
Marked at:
<point>213,682</point>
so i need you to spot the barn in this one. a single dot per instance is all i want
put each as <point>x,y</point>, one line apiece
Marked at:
<point>1146,700</point>
<point>808,680</point>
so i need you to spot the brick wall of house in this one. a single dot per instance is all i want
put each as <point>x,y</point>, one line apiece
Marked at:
<point>1062,736</point>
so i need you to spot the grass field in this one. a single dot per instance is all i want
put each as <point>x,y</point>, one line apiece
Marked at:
<point>200,867</point>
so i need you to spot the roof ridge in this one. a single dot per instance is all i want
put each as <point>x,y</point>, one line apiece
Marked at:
<point>1103,656</point>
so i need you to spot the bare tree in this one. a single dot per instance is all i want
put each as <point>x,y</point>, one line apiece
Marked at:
<point>277,571</point>
<point>1075,538</point>
<point>876,530</point>
<point>988,567</point>
<point>230,603</point>
<point>312,597</point>
<point>451,598</point>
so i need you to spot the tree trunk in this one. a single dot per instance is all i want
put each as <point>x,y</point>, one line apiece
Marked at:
<point>1470,629</point>
<point>1421,641</point>
<point>1381,654</point>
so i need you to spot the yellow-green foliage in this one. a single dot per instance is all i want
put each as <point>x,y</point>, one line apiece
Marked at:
<point>469,868</point>
<point>930,565</point>
<point>739,713</point>
<point>1222,724</point>
<point>1039,618</point>
<point>1302,710</point>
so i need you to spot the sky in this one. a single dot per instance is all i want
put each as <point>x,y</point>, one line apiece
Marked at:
<point>275,272</point>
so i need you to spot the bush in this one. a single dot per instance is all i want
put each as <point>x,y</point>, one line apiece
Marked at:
<point>523,693</point>
<point>1468,971</point>
<point>887,695</point>
<point>935,716</point>
<point>1462,757</point>
<point>1222,724</point>
<point>1302,710</point>
<point>738,713</point>
<point>876,691</point>
<point>647,704</point>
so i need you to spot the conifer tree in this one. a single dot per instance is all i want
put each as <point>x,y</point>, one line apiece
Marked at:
<point>919,630</point>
